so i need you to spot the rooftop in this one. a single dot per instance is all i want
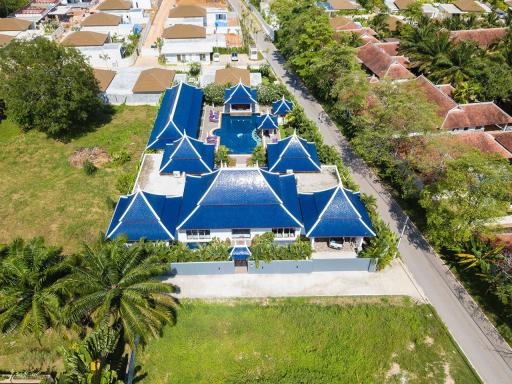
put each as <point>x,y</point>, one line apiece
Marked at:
<point>404,4</point>
<point>378,61</point>
<point>104,78</point>
<point>232,75</point>
<point>101,19</point>
<point>468,6</point>
<point>483,141</point>
<point>339,5</point>
<point>114,5</point>
<point>504,139</point>
<point>85,39</point>
<point>484,37</point>
<point>184,31</point>
<point>317,181</point>
<point>5,39</point>
<point>187,11</point>
<point>151,180</point>
<point>14,24</point>
<point>154,80</point>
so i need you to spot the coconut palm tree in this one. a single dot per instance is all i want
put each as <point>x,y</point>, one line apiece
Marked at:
<point>29,276</point>
<point>458,66</point>
<point>115,285</point>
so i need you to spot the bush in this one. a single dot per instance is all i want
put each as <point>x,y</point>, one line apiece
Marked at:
<point>268,93</point>
<point>89,168</point>
<point>121,157</point>
<point>264,249</point>
<point>195,69</point>
<point>222,155</point>
<point>266,71</point>
<point>259,156</point>
<point>110,203</point>
<point>124,183</point>
<point>214,94</point>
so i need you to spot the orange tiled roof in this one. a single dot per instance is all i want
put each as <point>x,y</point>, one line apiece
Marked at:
<point>484,37</point>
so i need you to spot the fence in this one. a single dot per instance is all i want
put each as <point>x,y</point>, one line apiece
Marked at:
<point>203,268</point>
<point>137,99</point>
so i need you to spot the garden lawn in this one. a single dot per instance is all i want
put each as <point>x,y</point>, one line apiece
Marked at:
<point>43,195</point>
<point>314,340</point>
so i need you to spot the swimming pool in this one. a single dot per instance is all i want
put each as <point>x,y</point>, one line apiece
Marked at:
<point>238,133</point>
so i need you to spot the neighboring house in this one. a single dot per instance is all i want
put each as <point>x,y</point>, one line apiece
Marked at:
<point>124,9</point>
<point>154,81</point>
<point>218,205</point>
<point>333,6</point>
<point>342,24</point>
<point>187,14</point>
<point>483,37</point>
<point>485,116</point>
<point>448,10</point>
<point>217,21</point>
<point>187,43</point>
<point>5,39</point>
<point>36,10</point>
<point>487,142</point>
<point>106,23</point>
<point>471,6</point>
<point>292,154</point>
<point>15,27</point>
<point>393,23</point>
<point>188,155</point>
<point>380,63</point>
<point>179,115</point>
<point>104,78</point>
<point>96,47</point>
<point>232,75</point>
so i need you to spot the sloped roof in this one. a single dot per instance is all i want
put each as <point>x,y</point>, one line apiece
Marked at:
<point>393,22</point>
<point>101,19</point>
<point>115,5</point>
<point>240,198</point>
<point>179,113</point>
<point>84,39</point>
<point>145,215</point>
<point>403,4</point>
<point>188,155</point>
<point>187,11</point>
<point>154,80</point>
<point>381,64</point>
<point>240,253</point>
<point>468,6</point>
<point>240,94</point>
<point>447,89</point>
<point>232,75</point>
<point>282,107</point>
<point>292,153</point>
<point>483,141</point>
<point>339,5</point>
<point>342,22</point>
<point>14,24</point>
<point>435,95</point>
<point>335,212</point>
<point>504,139</point>
<point>184,31</point>
<point>476,115</point>
<point>484,37</point>
<point>267,121</point>
<point>104,78</point>
<point>5,39</point>
<point>390,47</point>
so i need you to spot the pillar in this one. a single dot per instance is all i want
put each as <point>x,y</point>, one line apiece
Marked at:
<point>312,241</point>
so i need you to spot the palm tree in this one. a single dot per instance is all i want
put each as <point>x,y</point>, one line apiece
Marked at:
<point>458,66</point>
<point>481,254</point>
<point>115,286</point>
<point>29,275</point>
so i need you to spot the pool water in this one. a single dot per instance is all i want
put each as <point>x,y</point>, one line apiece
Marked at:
<point>238,133</point>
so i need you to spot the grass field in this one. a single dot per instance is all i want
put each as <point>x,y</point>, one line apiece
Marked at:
<point>328,340</point>
<point>43,195</point>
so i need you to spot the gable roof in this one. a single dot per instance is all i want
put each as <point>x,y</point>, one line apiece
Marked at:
<point>476,115</point>
<point>267,121</point>
<point>184,31</point>
<point>154,80</point>
<point>104,78</point>
<point>179,113</point>
<point>85,39</point>
<point>468,6</point>
<point>484,37</point>
<point>240,198</point>
<point>342,22</point>
<point>435,95</point>
<point>145,215</point>
<point>240,94</point>
<point>393,22</point>
<point>390,47</point>
<point>188,155</point>
<point>504,139</point>
<point>483,141</point>
<point>232,75</point>
<point>335,212</point>
<point>339,5</point>
<point>240,253</point>
<point>14,24</point>
<point>292,153</point>
<point>114,5</point>
<point>282,107</point>
<point>403,4</point>
<point>5,39</point>
<point>187,11</point>
<point>101,19</point>
<point>381,64</point>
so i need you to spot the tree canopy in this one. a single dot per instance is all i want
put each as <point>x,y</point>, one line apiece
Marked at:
<point>47,87</point>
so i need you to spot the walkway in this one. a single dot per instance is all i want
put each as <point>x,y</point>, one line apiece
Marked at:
<point>393,281</point>
<point>158,24</point>
<point>486,350</point>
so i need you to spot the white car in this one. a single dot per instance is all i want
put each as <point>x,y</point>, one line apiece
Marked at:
<point>234,56</point>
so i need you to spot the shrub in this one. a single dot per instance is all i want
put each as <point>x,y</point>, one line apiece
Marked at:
<point>195,69</point>
<point>259,156</point>
<point>222,155</point>
<point>214,94</point>
<point>264,249</point>
<point>124,183</point>
<point>89,168</point>
<point>110,203</point>
<point>268,93</point>
<point>121,157</point>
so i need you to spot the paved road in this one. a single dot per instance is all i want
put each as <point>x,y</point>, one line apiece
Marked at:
<point>486,350</point>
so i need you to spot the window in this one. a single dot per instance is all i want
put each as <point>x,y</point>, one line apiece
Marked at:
<point>198,234</point>
<point>180,58</point>
<point>241,233</point>
<point>221,16</point>
<point>202,57</point>
<point>283,233</point>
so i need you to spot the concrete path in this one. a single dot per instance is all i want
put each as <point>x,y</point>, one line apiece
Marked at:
<point>485,349</point>
<point>393,281</point>
<point>158,24</point>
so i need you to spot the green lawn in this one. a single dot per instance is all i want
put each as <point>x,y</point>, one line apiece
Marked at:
<point>43,195</point>
<point>327,340</point>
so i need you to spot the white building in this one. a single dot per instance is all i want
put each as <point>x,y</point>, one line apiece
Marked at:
<point>124,9</point>
<point>107,24</point>
<point>16,27</point>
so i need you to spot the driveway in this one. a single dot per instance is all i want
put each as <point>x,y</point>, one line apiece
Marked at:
<point>485,349</point>
<point>158,24</point>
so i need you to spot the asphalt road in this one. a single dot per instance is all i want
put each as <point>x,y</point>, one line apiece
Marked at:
<point>485,349</point>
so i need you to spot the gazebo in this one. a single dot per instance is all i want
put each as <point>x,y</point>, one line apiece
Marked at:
<point>240,99</point>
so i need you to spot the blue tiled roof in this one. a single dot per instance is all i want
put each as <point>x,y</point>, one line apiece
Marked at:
<point>188,155</point>
<point>267,121</point>
<point>240,198</point>
<point>240,94</point>
<point>336,212</point>
<point>281,107</point>
<point>240,253</point>
<point>145,215</point>
<point>179,113</point>
<point>292,153</point>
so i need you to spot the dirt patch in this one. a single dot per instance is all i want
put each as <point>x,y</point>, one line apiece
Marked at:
<point>448,379</point>
<point>393,370</point>
<point>96,155</point>
<point>411,346</point>
<point>429,341</point>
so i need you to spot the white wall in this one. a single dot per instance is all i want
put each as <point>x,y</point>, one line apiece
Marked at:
<point>199,21</point>
<point>121,30</point>
<point>188,58</point>
<point>144,4</point>
<point>107,56</point>
<point>226,235</point>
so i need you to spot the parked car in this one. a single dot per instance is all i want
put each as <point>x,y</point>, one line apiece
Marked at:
<point>234,56</point>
